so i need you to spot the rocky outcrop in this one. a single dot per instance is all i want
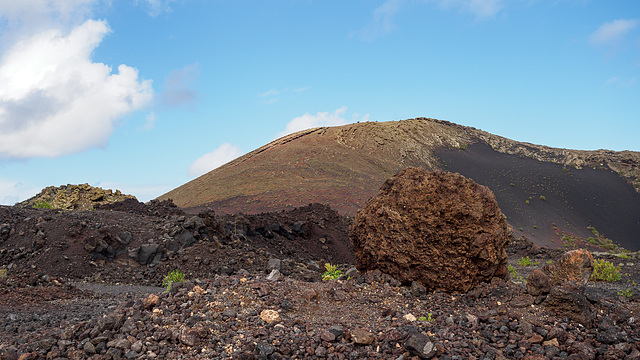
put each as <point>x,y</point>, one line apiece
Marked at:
<point>438,228</point>
<point>74,197</point>
<point>562,285</point>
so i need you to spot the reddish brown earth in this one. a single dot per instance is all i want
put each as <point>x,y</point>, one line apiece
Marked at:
<point>344,166</point>
<point>61,300</point>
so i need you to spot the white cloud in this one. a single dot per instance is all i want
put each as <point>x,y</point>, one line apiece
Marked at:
<point>220,156</point>
<point>481,9</point>
<point>612,31</point>
<point>382,22</point>
<point>272,95</point>
<point>308,121</point>
<point>302,89</point>
<point>31,16</point>
<point>149,121</point>
<point>157,7</point>
<point>270,92</point>
<point>12,192</point>
<point>55,101</point>
<point>179,86</point>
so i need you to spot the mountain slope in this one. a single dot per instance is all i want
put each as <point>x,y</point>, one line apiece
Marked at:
<point>344,166</point>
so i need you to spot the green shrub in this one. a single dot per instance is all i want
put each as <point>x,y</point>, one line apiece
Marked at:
<point>626,293</point>
<point>174,276</point>
<point>331,272</point>
<point>604,270</point>
<point>42,205</point>
<point>525,261</point>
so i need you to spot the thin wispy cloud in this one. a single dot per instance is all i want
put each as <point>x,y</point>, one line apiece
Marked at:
<point>382,22</point>
<point>272,96</point>
<point>302,89</point>
<point>12,192</point>
<point>179,86</point>
<point>157,7</point>
<point>149,121</point>
<point>613,31</point>
<point>270,92</point>
<point>481,9</point>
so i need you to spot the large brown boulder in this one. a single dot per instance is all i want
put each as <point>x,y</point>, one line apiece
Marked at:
<point>438,228</point>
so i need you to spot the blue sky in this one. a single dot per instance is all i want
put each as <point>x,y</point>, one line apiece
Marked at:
<point>146,95</point>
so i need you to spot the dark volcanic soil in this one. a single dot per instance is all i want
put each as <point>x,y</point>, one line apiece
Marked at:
<point>68,296</point>
<point>559,203</point>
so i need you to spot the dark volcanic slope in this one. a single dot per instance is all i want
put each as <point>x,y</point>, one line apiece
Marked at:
<point>572,199</point>
<point>344,166</point>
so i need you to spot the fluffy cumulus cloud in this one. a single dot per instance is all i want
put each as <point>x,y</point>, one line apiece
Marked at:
<point>612,31</point>
<point>55,101</point>
<point>220,156</point>
<point>308,121</point>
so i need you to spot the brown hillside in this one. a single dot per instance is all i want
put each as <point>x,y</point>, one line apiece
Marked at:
<point>344,166</point>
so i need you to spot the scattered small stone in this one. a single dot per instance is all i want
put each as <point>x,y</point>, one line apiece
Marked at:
<point>270,316</point>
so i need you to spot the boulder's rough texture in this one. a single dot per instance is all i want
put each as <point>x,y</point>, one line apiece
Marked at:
<point>538,283</point>
<point>574,265</point>
<point>568,300</point>
<point>438,228</point>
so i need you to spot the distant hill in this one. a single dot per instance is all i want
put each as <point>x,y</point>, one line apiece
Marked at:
<point>74,197</point>
<point>550,195</point>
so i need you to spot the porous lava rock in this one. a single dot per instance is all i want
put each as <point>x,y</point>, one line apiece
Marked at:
<point>575,265</point>
<point>438,228</point>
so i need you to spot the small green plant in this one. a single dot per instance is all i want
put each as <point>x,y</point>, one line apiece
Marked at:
<point>549,261</point>
<point>174,276</point>
<point>331,272</point>
<point>543,198</point>
<point>427,318</point>
<point>512,184</point>
<point>512,271</point>
<point>626,293</point>
<point>521,229</point>
<point>535,226</point>
<point>42,205</point>
<point>525,261</point>
<point>592,241</point>
<point>527,202</point>
<point>3,273</point>
<point>604,270</point>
